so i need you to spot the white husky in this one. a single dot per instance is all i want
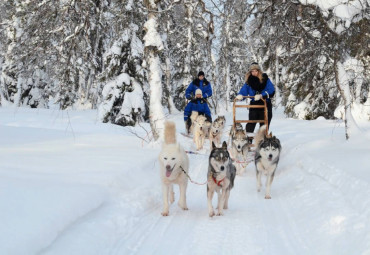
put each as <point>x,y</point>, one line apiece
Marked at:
<point>199,130</point>
<point>174,167</point>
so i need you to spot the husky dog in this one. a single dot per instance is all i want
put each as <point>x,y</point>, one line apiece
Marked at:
<point>199,130</point>
<point>266,158</point>
<point>174,167</point>
<point>216,130</point>
<point>234,128</point>
<point>220,176</point>
<point>221,120</point>
<point>240,147</point>
<point>189,124</point>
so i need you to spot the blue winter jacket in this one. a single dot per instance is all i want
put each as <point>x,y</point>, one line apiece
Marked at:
<point>267,92</point>
<point>199,105</point>
<point>204,85</point>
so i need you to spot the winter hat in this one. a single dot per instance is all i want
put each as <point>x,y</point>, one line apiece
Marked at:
<point>254,66</point>
<point>200,73</point>
<point>198,92</point>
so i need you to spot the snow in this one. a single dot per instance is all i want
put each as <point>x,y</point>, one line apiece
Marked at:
<point>111,91</point>
<point>152,37</point>
<point>344,10</point>
<point>72,185</point>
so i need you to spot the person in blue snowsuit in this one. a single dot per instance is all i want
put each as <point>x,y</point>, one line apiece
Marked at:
<point>260,86</point>
<point>199,83</point>
<point>198,104</point>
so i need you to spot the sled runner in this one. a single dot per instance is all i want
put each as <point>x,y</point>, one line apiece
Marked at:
<point>186,135</point>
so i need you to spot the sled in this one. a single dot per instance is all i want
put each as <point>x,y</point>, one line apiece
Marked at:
<point>264,107</point>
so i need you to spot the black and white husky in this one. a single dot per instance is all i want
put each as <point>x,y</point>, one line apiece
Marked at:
<point>266,159</point>
<point>220,176</point>
<point>174,167</point>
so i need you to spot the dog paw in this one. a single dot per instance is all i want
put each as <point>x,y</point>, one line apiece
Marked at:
<point>225,207</point>
<point>211,214</point>
<point>267,197</point>
<point>183,206</point>
<point>165,213</point>
<point>220,214</point>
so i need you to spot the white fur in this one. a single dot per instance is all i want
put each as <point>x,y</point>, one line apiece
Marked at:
<point>215,133</point>
<point>199,130</point>
<point>173,156</point>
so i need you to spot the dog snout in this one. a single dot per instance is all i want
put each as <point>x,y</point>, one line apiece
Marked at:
<point>216,131</point>
<point>222,168</point>
<point>238,146</point>
<point>270,156</point>
<point>201,128</point>
<point>168,167</point>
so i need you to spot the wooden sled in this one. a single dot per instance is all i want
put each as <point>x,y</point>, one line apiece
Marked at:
<point>264,107</point>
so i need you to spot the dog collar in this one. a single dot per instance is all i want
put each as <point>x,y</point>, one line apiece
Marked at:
<point>217,182</point>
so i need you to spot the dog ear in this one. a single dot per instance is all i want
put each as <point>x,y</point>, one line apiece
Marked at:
<point>213,145</point>
<point>224,145</point>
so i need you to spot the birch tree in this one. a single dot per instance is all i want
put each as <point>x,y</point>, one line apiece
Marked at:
<point>152,46</point>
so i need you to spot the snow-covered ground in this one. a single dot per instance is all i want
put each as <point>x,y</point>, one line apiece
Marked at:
<point>72,185</point>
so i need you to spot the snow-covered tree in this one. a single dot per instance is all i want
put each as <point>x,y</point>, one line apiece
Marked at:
<point>303,38</point>
<point>152,46</point>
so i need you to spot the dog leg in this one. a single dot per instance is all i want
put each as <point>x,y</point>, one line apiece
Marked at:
<point>221,202</point>
<point>259,184</point>
<point>226,205</point>
<point>165,189</point>
<point>182,200</point>
<point>270,177</point>
<point>210,207</point>
<point>172,194</point>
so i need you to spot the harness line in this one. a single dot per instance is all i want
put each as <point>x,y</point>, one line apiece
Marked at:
<point>191,179</point>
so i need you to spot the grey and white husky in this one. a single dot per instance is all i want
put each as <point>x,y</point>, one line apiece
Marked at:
<point>216,130</point>
<point>240,146</point>
<point>220,176</point>
<point>266,159</point>
<point>174,167</point>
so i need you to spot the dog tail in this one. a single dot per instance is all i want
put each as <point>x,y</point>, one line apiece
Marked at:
<point>259,136</point>
<point>169,132</point>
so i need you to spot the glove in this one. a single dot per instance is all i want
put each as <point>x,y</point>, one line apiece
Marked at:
<point>257,97</point>
<point>239,97</point>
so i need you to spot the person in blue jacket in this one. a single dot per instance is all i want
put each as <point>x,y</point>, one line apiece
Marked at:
<point>199,83</point>
<point>257,84</point>
<point>198,104</point>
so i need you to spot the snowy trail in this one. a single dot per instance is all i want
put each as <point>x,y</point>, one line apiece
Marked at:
<point>100,194</point>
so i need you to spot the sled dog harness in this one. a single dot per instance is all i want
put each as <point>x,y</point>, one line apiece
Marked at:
<point>218,182</point>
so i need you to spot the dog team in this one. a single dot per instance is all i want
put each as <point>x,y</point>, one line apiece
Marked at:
<point>223,164</point>
<point>174,165</point>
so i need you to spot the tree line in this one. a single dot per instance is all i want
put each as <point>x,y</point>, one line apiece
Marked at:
<point>116,56</point>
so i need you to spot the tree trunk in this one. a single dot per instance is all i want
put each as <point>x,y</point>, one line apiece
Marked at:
<point>153,44</point>
<point>343,87</point>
